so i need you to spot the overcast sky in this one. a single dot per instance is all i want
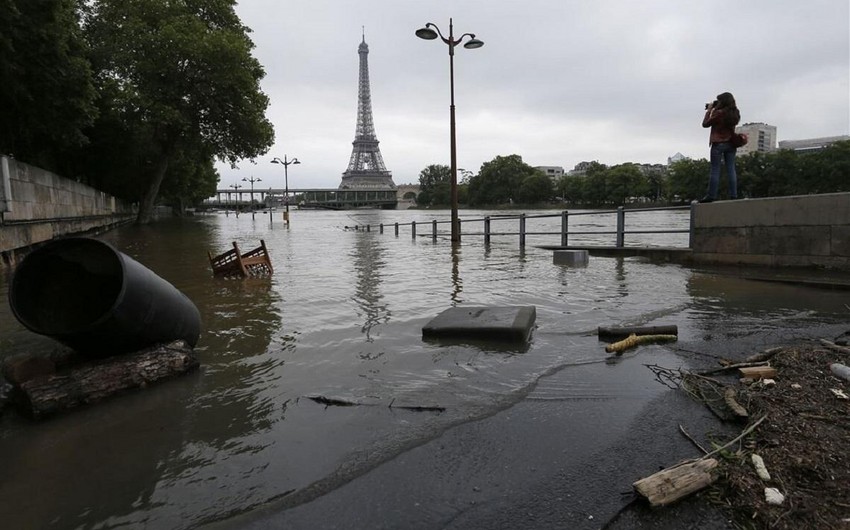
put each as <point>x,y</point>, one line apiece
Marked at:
<point>557,81</point>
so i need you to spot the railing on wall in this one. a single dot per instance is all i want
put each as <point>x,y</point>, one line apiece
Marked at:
<point>563,234</point>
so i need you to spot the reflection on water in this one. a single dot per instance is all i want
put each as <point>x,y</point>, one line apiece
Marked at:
<point>368,264</point>
<point>341,318</point>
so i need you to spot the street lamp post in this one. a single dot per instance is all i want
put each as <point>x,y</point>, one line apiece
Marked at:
<point>286,162</point>
<point>236,202</point>
<point>252,180</point>
<point>431,32</point>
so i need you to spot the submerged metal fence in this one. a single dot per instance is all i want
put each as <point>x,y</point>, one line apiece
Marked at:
<point>562,236</point>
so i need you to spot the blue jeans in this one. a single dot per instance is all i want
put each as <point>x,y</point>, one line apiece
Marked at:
<point>726,152</point>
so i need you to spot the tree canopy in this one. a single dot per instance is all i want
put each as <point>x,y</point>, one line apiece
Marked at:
<point>179,79</point>
<point>47,96</point>
<point>503,181</point>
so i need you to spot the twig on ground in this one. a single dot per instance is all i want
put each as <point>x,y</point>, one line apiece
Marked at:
<point>835,347</point>
<point>745,432</point>
<point>688,436</point>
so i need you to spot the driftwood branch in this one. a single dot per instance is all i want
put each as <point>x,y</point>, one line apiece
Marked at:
<point>731,367</point>
<point>745,432</point>
<point>635,340</point>
<point>95,381</point>
<point>625,331</point>
<point>688,436</point>
<point>834,347</point>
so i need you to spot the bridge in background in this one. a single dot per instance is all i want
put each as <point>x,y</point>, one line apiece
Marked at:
<point>331,199</point>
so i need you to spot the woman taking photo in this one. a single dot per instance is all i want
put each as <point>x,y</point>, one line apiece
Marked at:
<point>722,116</point>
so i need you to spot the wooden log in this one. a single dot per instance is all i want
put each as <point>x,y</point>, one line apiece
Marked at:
<point>635,340</point>
<point>758,372</point>
<point>95,381</point>
<point>671,484</point>
<point>623,332</point>
<point>729,396</point>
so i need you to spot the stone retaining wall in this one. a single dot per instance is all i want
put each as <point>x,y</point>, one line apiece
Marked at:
<point>37,205</point>
<point>798,231</point>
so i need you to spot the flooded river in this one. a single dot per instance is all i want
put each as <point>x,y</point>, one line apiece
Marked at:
<point>341,318</point>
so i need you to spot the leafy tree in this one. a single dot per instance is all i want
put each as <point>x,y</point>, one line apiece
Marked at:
<point>435,185</point>
<point>46,89</point>
<point>688,179</point>
<point>498,181</point>
<point>181,80</point>
<point>624,181</point>
<point>536,188</point>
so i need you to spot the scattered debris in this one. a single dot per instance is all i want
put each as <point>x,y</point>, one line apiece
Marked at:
<point>234,264</point>
<point>840,370</point>
<point>834,347</point>
<point>332,402</point>
<point>839,393</point>
<point>758,372</point>
<point>804,441</point>
<point>761,470</point>
<point>729,396</point>
<point>89,382</point>
<point>635,340</point>
<point>626,331</point>
<point>671,484</point>
<point>773,496</point>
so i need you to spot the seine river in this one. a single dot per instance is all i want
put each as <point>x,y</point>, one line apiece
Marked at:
<point>341,318</point>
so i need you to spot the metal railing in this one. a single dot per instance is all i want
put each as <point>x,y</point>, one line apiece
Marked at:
<point>564,233</point>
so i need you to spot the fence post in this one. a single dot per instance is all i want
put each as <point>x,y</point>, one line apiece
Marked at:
<point>621,226</point>
<point>691,227</point>
<point>522,230</point>
<point>434,229</point>
<point>565,220</point>
<point>368,228</point>
<point>487,230</point>
<point>396,229</point>
<point>381,228</point>
<point>413,229</point>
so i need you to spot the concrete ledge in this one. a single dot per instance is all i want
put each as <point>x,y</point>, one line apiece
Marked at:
<point>506,324</point>
<point>570,257</point>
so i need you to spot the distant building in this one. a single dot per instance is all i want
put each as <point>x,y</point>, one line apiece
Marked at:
<point>553,172</point>
<point>648,169</point>
<point>580,169</point>
<point>811,144</point>
<point>675,158</point>
<point>761,138</point>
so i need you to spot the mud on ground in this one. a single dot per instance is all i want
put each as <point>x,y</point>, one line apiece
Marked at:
<point>804,442</point>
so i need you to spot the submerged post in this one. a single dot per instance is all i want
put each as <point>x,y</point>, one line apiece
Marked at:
<point>565,220</point>
<point>691,227</point>
<point>434,229</point>
<point>396,229</point>
<point>522,230</point>
<point>487,230</point>
<point>413,229</point>
<point>621,226</point>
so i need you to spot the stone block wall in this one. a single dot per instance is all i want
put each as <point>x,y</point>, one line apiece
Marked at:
<point>37,205</point>
<point>798,231</point>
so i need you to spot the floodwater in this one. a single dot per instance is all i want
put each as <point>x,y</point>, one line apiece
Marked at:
<point>341,318</point>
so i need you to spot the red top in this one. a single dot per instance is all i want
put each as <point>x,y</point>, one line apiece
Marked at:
<point>720,132</point>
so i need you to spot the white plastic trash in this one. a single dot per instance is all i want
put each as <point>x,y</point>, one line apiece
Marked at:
<point>840,370</point>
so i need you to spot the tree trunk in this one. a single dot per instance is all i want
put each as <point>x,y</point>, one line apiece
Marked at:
<point>93,382</point>
<point>149,198</point>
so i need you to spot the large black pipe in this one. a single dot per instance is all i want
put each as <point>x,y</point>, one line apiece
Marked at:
<point>88,295</point>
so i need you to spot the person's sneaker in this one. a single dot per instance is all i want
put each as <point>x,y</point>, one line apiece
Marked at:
<point>706,199</point>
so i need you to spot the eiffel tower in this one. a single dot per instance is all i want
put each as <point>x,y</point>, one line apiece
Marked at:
<point>366,168</point>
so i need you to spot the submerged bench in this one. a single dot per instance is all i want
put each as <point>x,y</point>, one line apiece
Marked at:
<point>233,264</point>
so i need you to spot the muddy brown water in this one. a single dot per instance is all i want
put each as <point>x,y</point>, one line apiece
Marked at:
<point>341,318</point>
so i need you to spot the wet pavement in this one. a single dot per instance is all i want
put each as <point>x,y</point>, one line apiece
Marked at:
<point>520,468</point>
